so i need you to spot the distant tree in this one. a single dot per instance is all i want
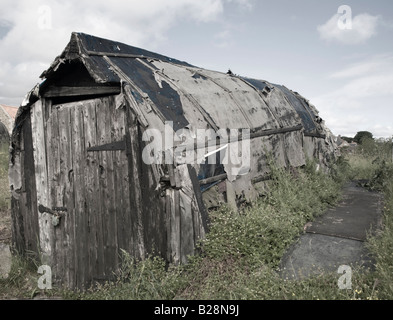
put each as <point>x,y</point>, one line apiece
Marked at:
<point>361,135</point>
<point>347,139</point>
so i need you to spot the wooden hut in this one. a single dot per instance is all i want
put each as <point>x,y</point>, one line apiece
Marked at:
<point>82,180</point>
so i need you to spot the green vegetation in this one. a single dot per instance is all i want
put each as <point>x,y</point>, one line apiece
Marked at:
<point>4,189</point>
<point>240,257</point>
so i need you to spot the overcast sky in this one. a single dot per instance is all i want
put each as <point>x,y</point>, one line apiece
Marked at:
<point>343,66</point>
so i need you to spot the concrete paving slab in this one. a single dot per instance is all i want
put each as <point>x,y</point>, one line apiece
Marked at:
<point>357,214</point>
<point>337,237</point>
<point>314,254</point>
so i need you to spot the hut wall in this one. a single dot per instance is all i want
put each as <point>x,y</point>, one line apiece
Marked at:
<point>25,228</point>
<point>85,193</point>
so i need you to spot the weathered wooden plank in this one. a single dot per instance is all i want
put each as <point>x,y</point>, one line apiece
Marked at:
<point>124,220</point>
<point>171,173</point>
<point>202,212</point>
<point>97,201</point>
<point>126,208</point>
<point>253,135</point>
<point>199,231</point>
<point>92,188</point>
<point>119,160</point>
<point>103,215</point>
<point>169,219</point>
<point>135,106</point>
<point>28,201</point>
<point>114,54</point>
<point>191,228</point>
<point>16,227</point>
<point>80,234</point>
<point>26,230</point>
<point>104,132</point>
<point>213,179</point>
<point>186,227</point>
<point>66,179</point>
<point>47,108</point>
<point>153,213</point>
<point>52,154</point>
<point>135,190</point>
<point>176,224</point>
<point>265,177</point>
<point>178,182</point>
<point>63,91</point>
<point>112,250</point>
<point>41,176</point>
<point>160,204</point>
<point>129,98</point>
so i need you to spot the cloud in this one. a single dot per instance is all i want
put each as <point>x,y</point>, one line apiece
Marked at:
<point>223,39</point>
<point>362,98</point>
<point>245,4</point>
<point>364,26</point>
<point>374,64</point>
<point>34,32</point>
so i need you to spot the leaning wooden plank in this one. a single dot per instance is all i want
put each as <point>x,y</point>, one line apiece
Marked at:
<point>186,227</point>
<point>176,225</point>
<point>169,213</point>
<point>129,98</point>
<point>135,106</point>
<point>192,228</point>
<point>213,179</point>
<point>119,158</point>
<point>202,212</point>
<point>135,191</point>
<point>124,221</point>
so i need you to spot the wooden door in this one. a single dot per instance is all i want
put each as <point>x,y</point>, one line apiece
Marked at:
<point>89,185</point>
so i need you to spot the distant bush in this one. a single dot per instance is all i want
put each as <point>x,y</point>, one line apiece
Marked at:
<point>361,135</point>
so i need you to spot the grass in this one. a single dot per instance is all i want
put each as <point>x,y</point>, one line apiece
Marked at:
<point>4,189</point>
<point>241,254</point>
